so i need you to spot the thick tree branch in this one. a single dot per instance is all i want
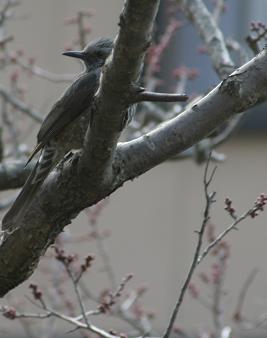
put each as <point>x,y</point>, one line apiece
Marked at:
<point>117,86</point>
<point>68,189</point>
<point>206,24</point>
<point>242,89</point>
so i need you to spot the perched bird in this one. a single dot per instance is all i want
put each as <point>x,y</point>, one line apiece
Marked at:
<point>75,101</point>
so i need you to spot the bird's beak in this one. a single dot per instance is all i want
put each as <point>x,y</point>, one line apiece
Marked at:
<point>74,54</point>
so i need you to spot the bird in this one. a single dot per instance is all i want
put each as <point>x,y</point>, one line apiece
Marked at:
<point>76,100</point>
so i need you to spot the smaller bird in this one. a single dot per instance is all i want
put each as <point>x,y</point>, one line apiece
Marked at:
<point>77,99</point>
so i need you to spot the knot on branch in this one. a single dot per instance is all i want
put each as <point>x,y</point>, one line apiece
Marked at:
<point>231,86</point>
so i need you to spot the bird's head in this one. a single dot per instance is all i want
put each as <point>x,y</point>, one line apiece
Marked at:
<point>94,54</point>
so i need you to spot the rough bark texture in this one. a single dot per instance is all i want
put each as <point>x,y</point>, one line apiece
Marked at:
<point>102,166</point>
<point>242,89</point>
<point>112,100</point>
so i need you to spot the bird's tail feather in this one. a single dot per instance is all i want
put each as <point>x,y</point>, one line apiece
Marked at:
<point>33,183</point>
<point>34,152</point>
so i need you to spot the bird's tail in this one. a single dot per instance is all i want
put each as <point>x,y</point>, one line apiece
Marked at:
<point>33,183</point>
<point>34,152</point>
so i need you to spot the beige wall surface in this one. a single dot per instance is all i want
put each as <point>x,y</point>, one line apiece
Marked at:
<point>152,219</point>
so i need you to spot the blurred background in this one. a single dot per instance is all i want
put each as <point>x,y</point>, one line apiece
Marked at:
<point>149,225</point>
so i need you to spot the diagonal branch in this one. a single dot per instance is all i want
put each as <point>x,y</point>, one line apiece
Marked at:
<point>112,101</point>
<point>242,89</point>
<point>211,35</point>
<point>43,73</point>
<point>20,105</point>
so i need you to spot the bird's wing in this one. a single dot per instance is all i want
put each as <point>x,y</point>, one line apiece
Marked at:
<point>71,104</point>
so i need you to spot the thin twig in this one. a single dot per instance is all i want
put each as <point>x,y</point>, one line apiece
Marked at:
<point>121,312</point>
<point>242,295</point>
<point>209,200</point>
<point>10,126</point>
<point>51,312</point>
<point>218,285</point>
<point>108,268</point>
<point>78,294</point>
<point>93,214</point>
<point>82,33</point>
<point>43,73</point>
<point>231,227</point>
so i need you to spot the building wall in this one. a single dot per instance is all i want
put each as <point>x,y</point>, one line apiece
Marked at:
<point>152,219</point>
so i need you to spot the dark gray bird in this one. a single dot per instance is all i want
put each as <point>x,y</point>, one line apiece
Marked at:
<point>74,101</point>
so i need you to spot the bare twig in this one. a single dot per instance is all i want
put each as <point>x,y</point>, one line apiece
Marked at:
<point>209,200</point>
<point>231,227</point>
<point>93,214</point>
<point>7,121</point>
<point>242,295</point>
<point>42,73</point>
<point>78,294</point>
<point>155,54</point>
<point>112,297</point>
<point>50,312</point>
<point>67,262</point>
<point>160,97</point>
<point>252,212</point>
<point>122,311</point>
<point>2,146</point>
<point>108,268</point>
<point>82,33</point>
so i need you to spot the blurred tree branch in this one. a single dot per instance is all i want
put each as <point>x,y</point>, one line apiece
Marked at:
<point>13,174</point>
<point>20,105</point>
<point>211,35</point>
